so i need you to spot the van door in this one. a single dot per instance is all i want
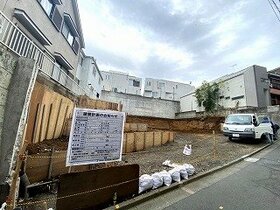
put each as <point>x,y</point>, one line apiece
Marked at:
<point>263,128</point>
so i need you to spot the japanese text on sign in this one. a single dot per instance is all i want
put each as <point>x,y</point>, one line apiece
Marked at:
<point>96,137</point>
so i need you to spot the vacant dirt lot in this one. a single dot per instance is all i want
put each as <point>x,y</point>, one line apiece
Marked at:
<point>208,151</point>
<point>203,155</point>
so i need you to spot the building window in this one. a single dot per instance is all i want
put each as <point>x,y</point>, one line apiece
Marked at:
<point>237,97</point>
<point>81,60</point>
<point>94,71</point>
<point>161,84</point>
<point>67,34</point>
<point>149,83</point>
<point>136,83</point>
<point>77,81</point>
<point>107,77</point>
<point>47,6</point>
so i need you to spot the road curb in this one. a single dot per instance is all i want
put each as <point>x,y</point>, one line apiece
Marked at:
<point>155,193</point>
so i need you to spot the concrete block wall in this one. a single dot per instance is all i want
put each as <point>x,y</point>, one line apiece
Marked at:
<point>17,76</point>
<point>8,63</point>
<point>143,106</point>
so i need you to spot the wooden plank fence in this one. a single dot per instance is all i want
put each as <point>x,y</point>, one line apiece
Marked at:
<point>128,127</point>
<point>49,112</point>
<point>135,127</point>
<point>51,164</point>
<point>139,141</point>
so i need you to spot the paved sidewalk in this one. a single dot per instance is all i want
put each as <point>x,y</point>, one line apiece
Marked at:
<point>251,184</point>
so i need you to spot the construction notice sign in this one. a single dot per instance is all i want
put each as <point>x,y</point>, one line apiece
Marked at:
<point>96,137</point>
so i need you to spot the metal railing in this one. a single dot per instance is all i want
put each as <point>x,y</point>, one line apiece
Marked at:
<point>14,39</point>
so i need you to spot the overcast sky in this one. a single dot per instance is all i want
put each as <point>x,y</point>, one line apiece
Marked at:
<point>180,40</point>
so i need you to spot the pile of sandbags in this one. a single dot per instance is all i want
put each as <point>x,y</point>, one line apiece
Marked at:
<point>156,180</point>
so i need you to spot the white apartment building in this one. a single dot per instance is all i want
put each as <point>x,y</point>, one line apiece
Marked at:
<point>49,32</point>
<point>89,76</point>
<point>121,82</point>
<point>165,89</point>
<point>246,88</point>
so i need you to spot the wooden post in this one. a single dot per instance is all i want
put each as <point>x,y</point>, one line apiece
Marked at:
<point>161,133</point>
<point>11,201</point>
<point>153,139</point>
<point>134,142</point>
<point>119,106</point>
<point>125,142</point>
<point>215,145</point>
<point>51,164</point>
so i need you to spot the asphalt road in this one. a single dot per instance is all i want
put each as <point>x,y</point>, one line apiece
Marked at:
<point>251,184</point>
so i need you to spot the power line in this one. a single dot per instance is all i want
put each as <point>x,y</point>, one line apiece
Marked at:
<point>275,5</point>
<point>274,9</point>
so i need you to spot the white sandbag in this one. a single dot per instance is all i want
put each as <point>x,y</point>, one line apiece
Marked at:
<point>166,163</point>
<point>190,169</point>
<point>175,174</point>
<point>3,206</point>
<point>169,164</point>
<point>167,179</point>
<point>157,180</point>
<point>183,172</point>
<point>145,183</point>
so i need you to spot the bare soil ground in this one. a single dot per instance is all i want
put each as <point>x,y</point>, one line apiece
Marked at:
<point>208,152</point>
<point>205,155</point>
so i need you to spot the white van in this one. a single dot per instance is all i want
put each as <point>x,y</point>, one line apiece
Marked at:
<point>246,126</point>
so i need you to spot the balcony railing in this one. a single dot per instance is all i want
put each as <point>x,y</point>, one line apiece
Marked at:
<point>275,86</point>
<point>13,38</point>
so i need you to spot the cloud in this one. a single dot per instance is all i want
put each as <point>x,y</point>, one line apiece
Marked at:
<point>251,52</point>
<point>193,8</point>
<point>182,40</point>
<point>104,31</point>
<point>177,56</point>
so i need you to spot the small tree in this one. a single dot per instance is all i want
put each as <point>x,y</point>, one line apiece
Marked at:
<point>207,96</point>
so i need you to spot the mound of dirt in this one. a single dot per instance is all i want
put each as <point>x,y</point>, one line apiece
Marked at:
<point>192,125</point>
<point>59,144</point>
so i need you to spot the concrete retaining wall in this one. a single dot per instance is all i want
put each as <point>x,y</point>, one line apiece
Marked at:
<point>17,77</point>
<point>8,63</point>
<point>143,106</point>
